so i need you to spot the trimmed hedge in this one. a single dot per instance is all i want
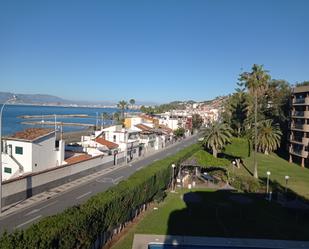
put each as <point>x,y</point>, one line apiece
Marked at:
<point>247,184</point>
<point>80,226</point>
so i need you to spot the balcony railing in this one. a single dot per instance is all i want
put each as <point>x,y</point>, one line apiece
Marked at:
<point>297,139</point>
<point>297,126</point>
<point>299,101</point>
<point>298,113</point>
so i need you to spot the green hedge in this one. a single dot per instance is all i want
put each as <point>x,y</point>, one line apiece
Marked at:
<point>245,183</point>
<point>79,226</point>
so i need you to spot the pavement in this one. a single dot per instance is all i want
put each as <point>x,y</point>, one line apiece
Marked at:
<point>141,241</point>
<point>21,215</point>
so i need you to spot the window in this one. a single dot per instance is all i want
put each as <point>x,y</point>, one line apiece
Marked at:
<point>19,150</point>
<point>7,170</point>
<point>114,138</point>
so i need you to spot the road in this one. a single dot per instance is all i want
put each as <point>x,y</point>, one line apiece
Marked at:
<point>23,218</point>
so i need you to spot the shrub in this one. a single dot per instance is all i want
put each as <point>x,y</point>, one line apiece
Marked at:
<point>245,183</point>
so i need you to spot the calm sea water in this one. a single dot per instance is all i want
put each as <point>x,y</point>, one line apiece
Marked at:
<point>11,122</point>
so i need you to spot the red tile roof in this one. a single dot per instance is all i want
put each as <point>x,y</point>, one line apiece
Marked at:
<point>76,159</point>
<point>108,144</point>
<point>32,133</point>
<point>143,127</point>
<point>165,128</point>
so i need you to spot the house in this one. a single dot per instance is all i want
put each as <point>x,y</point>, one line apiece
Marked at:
<point>151,138</point>
<point>96,146</point>
<point>31,150</point>
<point>127,139</point>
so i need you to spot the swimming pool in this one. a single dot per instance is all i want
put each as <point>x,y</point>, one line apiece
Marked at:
<point>165,246</point>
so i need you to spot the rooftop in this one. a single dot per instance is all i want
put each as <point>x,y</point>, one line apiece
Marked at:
<point>76,159</point>
<point>31,134</point>
<point>108,144</point>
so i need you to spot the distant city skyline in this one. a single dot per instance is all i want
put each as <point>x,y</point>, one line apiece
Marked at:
<point>157,51</point>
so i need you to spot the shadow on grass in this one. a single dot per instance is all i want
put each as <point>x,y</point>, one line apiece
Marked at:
<point>240,215</point>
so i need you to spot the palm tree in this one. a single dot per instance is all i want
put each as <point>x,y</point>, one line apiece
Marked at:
<point>122,105</point>
<point>132,102</point>
<point>256,82</point>
<point>105,116</point>
<point>269,136</point>
<point>217,135</point>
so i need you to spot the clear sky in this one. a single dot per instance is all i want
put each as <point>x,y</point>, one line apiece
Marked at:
<point>148,50</point>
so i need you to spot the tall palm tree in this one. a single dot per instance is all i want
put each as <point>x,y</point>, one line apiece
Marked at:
<point>256,82</point>
<point>217,135</point>
<point>105,116</point>
<point>269,136</point>
<point>122,105</point>
<point>132,102</point>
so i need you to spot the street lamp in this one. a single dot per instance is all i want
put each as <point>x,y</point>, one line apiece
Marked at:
<point>173,167</point>
<point>267,184</point>
<point>6,102</point>
<point>286,183</point>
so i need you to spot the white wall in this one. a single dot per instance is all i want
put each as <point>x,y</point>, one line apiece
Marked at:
<point>25,159</point>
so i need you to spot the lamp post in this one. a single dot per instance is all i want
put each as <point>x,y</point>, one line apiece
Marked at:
<point>12,99</point>
<point>286,183</point>
<point>173,167</point>
<point>267,184</point>
<point>234,164</point>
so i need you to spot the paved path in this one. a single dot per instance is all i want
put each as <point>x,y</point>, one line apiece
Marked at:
<point>141,241</point>
<point>76,192</point>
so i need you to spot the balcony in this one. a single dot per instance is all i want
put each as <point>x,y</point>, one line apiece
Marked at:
<point>300,127</point>
<point>299,152</point>
<point>301,101</point>
<point>299,140</point>
<point>300,114</point>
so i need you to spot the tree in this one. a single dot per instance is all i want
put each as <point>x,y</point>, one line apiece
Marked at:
<point>236,111</point>
<point>132,102</point>
<point>105,116</point>
<point>217,135</point>
<point>197,121</point>
<point>116,117</point>
<point>122,105</point>
<point>256,82</point>
<point>268,136</point>
<point>179,132</point>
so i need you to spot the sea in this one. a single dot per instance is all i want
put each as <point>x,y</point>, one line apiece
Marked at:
<point>12,121</point>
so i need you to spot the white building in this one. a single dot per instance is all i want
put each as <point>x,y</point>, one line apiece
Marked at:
<point>31,150</point>
<point>127,139</point>
<point>98,146</point>
<point>170,122</point>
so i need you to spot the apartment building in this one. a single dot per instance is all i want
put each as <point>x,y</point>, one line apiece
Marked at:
<point>299,128</point>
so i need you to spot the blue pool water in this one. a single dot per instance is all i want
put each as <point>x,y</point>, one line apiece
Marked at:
<point>164,246</point>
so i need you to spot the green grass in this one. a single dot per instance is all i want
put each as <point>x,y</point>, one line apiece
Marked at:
<point>279,168</point>
<point>219,214</point>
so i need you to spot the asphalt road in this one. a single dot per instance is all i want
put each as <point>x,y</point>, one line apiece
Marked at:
<point>25,217</point>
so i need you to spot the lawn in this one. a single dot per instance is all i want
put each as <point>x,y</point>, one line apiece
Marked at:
<point>220,213</point>
<point>279,168</point>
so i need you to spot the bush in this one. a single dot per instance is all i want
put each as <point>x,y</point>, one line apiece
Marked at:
<point>245,183</point>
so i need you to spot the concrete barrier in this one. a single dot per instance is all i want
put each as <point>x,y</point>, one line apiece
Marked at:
<point>23,187</point>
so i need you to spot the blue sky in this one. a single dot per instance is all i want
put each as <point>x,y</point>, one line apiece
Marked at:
<point>148,50</point>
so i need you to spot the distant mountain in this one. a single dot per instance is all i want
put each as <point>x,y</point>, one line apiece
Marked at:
<point>45,99</point>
